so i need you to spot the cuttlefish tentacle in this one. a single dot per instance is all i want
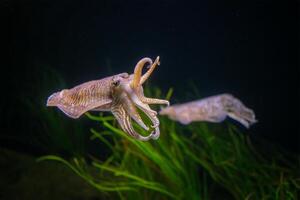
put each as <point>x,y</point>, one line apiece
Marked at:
<point>149,71</point>
<point>132,111</point>
<point>136,135</point>
<point>152,115</point>
<point>137,94</point>
<point>134,88</point>
<point>136,81</point>
<point>137,86</point>
<point>146,109</point>
<point>154,101</point>
<point>147,100</point>
<point>136,99</point>
<point>125,122</point>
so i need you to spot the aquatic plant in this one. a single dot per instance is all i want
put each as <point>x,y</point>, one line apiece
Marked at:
<point>198,161</point>
<point>49,132</point>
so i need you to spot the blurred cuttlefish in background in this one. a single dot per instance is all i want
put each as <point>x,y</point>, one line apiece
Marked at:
<point>211,109</point>
<point>120,94</point>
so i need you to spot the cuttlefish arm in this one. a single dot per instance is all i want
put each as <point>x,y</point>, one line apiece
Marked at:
<point>138,81</point>
<point>134,97</point>
<point>124,121</point>
<point>136,91</point>
<point>133,113</point>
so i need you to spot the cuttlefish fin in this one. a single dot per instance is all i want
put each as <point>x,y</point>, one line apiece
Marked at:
<point>73,110</point>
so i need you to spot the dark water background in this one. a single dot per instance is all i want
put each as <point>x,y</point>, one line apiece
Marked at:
<point>247,48</point>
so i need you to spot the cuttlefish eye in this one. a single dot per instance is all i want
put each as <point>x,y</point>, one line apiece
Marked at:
<point>116,83</point>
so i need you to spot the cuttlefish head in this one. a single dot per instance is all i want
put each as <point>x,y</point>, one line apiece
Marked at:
<point>128,95</point>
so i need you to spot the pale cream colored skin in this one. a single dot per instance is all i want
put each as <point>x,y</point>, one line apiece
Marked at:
<point>120,94</point>
<point>211,109</point>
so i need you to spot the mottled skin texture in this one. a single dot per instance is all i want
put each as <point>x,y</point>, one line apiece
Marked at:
<point>211,109</point>
<point>121,94</point>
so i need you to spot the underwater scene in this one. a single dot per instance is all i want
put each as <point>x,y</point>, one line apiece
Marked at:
<point>149,100</point>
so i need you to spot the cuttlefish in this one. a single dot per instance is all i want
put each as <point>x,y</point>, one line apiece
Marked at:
<point>211,109</point>
<point>121,94</point>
